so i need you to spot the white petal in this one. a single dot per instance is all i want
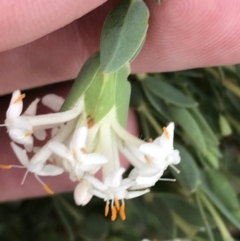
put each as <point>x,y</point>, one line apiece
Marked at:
<point>60,150</point>
<point>57,118</point>
<point>133,194</point>
<point>40,134</point>
<point>125,184</point>
<point>114,179</point>
<point>93,159</point>
<point>20,153</point>
<point>32,108</point>
<point>50,170</point>
<point>52,101</point>
<point>96,183</point>
<point>19,137</point>
<point>35,167</point>
<point>14,109</point>
<point>78,140</point>
<point>82,196</point>
<point>99,194</point>
<point>153,150</point>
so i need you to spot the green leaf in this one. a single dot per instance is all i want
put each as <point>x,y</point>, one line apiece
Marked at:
<point>189,175</point>
<point>94,228</point>
<point>158,104</point>
<point>123,33</point>
<point>108,91</point>
<point>184,209</point>
<point>219,204</point>
<point>122,94</point>
<point>84,79</point>
<point>168,93</point>
<point>223,189</point>
<point>225,127</point>
<point>208,133</point>
<point>191,129</point>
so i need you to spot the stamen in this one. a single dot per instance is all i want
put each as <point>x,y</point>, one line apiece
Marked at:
<point>114,213</point>
<point>150,140</point>
<point>54,162</point>
<point>122,212</point>
<point>106,209</point>
<point>175,169</point>
<point>166,133</point>
<point>90,123</point>
<point>167,179</point>
<point>48,189</point>
<point>6,167</point>
<point>84,150</point>
<point>147,159</point>
<point>117,203</point>
<point>20,98</point>
<point>29,133</point>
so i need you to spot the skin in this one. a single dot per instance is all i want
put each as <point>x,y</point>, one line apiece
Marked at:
<point>48,42</point>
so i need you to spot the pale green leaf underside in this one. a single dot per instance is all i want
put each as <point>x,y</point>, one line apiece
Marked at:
<point>123,34</point>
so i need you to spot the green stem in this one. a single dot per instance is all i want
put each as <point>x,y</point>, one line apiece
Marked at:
<point>151,119</point>
<point>222,228</point>
<point>64,220</point>
<point>204,217</point>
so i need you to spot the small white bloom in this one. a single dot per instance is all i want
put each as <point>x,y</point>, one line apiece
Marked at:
<point>79,160</point>
<point>38,169</point>
<point>113,189</point>
<point>160,153</point>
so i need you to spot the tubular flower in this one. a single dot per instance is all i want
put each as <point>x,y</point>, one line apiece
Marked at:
<point>87,135</point>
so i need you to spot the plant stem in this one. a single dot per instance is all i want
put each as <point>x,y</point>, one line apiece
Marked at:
<point>222,228</point>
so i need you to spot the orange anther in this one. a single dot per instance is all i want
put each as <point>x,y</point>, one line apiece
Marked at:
<point>116,201</point>
<point>122,212</point>
<point>150,140</point>
<point>106,209</point>
<point>29,133</point>
<point>90,123</point>
<point>19,98</point>
<point>48,189</point>
<point>114,213</point>
<point>147,159</point>
<point>84,150</point>
<point>166,132</point>
<point>54,162</point>
<point>6,167</point>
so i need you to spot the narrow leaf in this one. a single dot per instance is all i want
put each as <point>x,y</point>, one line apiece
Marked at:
<point>123,33</point>
<point>168,93</point>
<point>190,127</point>
<point>189,175</point>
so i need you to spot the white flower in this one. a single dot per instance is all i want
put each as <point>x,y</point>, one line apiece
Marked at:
<point>113,189</point>
<point>82,196</point>
<point>78,160</point>
<point>160,153</point>
<point>38,169</point>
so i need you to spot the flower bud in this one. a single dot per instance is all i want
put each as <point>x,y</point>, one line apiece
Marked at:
<point>81,193</point>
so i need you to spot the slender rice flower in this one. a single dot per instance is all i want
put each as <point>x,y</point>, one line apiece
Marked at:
<point>76,155</point>
<point>113,190</point>
<point>87,135</point>
<point>38,169</point>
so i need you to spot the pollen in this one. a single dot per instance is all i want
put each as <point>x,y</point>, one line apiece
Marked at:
<point>122,212</point>
<point>114,213</point>
<point>150,140</point>
<point>6,167</point>
<point>166,133</point>
<point>106,209</point>
<point>20,98</point>
<point>54,162</point>
<point>29,133</point>
<point>48,189</point>
<point>147,159</point>
<point>90,123</point>
<point>84,150</point>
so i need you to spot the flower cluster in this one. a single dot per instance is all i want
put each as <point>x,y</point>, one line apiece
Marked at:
<point>80,147</point>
